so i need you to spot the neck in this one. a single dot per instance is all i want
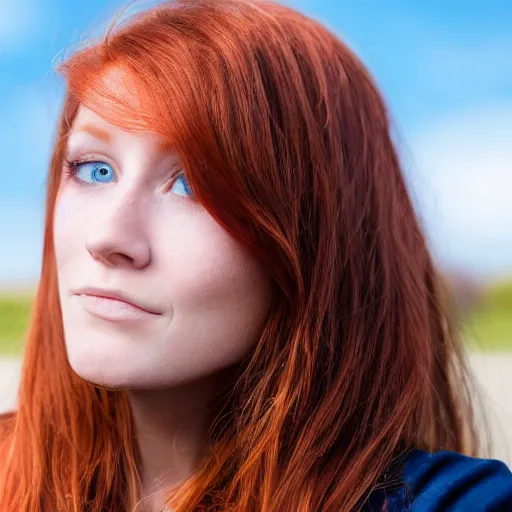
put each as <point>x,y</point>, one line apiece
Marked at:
<point>172,428</point>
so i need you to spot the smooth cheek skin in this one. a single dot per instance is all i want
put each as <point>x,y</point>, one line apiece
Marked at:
<point>213,295</point>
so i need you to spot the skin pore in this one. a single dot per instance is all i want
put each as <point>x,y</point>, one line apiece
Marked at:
<point>127,224</point>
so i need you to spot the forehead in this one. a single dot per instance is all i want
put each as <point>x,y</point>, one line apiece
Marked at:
<point>85,114</point>
<point>87,120</point>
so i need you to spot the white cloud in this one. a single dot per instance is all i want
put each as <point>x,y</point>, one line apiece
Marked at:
<point>462,178</point>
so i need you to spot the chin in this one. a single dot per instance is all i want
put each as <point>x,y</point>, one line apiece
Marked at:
<point>101,360</point>
<point>99,373</point>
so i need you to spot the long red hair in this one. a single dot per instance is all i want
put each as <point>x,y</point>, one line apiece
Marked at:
<point>286,142</point>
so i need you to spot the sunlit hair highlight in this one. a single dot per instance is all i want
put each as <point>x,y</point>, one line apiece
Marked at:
<point>286,142</point>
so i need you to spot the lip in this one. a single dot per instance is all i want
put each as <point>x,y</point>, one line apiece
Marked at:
<point>115,295</point>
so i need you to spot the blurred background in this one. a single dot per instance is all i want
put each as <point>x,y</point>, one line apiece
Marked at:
<point>445,70</point>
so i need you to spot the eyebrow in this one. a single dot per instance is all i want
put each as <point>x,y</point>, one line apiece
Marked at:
<point>95,131</point>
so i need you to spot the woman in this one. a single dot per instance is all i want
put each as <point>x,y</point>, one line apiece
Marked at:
<point>237,308</point>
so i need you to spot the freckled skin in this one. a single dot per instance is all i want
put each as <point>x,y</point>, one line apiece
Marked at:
<point>138,234</point>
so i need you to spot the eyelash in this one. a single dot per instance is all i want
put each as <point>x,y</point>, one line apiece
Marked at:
<point>71,168</point>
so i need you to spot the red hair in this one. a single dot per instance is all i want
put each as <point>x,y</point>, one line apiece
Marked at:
<point>286,142</point>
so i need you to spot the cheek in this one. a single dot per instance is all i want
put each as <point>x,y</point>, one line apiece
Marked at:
<point>205,261</point>
<point>214,278</point>
<point>62,227</point>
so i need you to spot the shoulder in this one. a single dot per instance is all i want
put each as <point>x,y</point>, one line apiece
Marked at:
<point>446,481</point>
<point>451,481</point>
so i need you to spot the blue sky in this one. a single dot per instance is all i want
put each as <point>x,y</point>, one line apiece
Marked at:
<point>443,66</point>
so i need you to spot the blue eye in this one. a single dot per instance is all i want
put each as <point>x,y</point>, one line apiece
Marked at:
<point>101,172</point>
<point>184,189</point>
<point>93,172</point>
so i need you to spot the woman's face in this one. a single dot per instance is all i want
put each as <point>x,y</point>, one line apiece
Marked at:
<point>127,226</point>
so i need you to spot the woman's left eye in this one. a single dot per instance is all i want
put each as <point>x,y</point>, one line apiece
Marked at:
<point>181,186</point>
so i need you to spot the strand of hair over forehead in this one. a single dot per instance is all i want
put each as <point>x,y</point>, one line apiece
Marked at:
<point>287,145</point>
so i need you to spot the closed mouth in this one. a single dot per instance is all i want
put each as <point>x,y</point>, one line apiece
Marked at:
<point>115,295</point>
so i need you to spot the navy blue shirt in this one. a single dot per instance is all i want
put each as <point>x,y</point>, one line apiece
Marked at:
<point>447,482</point>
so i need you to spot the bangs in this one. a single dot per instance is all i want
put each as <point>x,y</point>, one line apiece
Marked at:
<point>127,91</point>
<point>150,76</point>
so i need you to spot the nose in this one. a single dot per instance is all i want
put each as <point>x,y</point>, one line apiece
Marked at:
<point>116,237</point>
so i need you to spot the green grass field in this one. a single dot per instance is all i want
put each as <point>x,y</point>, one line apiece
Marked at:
<point>14,317</point>
<point>489,328</point>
